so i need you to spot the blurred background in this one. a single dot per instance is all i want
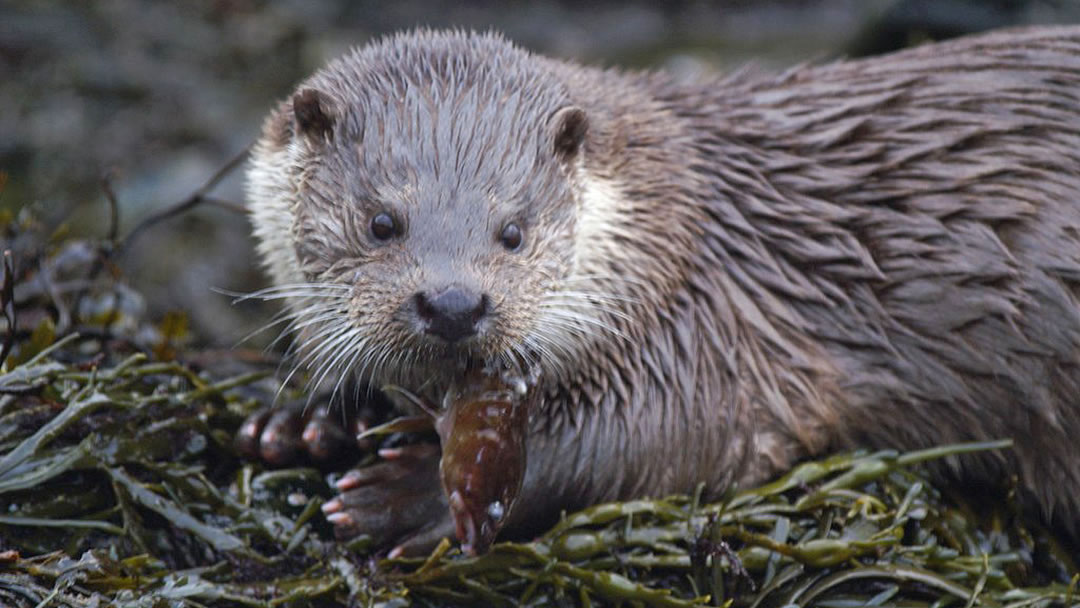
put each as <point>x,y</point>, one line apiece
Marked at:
<point>153,97</point>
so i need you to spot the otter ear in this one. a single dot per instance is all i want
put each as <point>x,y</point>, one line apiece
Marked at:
<point>570,127</point>
<point>314,114</point>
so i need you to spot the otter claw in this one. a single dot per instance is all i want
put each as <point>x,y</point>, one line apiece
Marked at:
<point>333,505</point>
<point>340,519</point>
<point>348,481</point>
<point>390,453</point>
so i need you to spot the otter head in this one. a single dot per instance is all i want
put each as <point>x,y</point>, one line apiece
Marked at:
<point>428,186</point>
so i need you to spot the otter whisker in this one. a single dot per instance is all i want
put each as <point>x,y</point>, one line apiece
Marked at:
<point>519,357</point>
<point>301,315</point>
<point>609,304</point>
<point>330,321</point>
<point>552,339</point>
<point>596,297</point>
<point>295,291</point>
<point>401,360</point>
<point>296,327</point>
<point>277,319</point>
<point>285,382</point>
<point>331,348</point>
<point>570,319</point>
<point>370,362</point>
<point>556,361</point>
<point>379,369</point>
<point>584,305</point>
<point>609,278</point>
<point>327,315</point>
<point>298,310</point>
<point>316,349</point>
<point>352,350</point>
<point>322,371</point>
<point>614,305</point>
<point>558,345</point>
<point>581,306</point>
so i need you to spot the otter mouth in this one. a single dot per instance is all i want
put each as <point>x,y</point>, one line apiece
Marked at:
<point>453,360</point>
<point>441,374</point>
<point>466,363</point>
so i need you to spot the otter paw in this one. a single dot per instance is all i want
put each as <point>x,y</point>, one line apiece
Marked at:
<point>294,434</point>
<point>398,502</point>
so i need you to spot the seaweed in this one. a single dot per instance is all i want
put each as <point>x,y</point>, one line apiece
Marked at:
<point>120,486</point>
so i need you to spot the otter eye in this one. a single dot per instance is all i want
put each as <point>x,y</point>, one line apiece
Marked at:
<point>383,226</point>
<point>511,237</point>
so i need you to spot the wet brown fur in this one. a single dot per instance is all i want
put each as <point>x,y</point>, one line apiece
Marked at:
<point>883,252</point>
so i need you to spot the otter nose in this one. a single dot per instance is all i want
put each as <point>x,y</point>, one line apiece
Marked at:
<point>453,313</point>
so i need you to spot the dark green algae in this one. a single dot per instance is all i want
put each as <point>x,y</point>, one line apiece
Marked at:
<point>119,486</point>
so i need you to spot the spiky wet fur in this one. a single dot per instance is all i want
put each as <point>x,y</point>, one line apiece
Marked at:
<point>741,272</point>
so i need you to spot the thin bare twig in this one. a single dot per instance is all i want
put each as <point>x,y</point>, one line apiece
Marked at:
<point>63,312</point>
<point>7,303</point>
<point>114,208</point>
<point>227,205</point>
<point>196,198</point>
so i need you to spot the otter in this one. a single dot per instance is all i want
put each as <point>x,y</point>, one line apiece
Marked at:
<point>715,279</point>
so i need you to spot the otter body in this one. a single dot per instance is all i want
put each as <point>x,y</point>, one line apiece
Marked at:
<point>715,279</point>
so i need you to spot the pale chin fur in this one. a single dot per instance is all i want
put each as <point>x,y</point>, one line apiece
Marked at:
<point>582,312</point>
<point>602,207</point>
